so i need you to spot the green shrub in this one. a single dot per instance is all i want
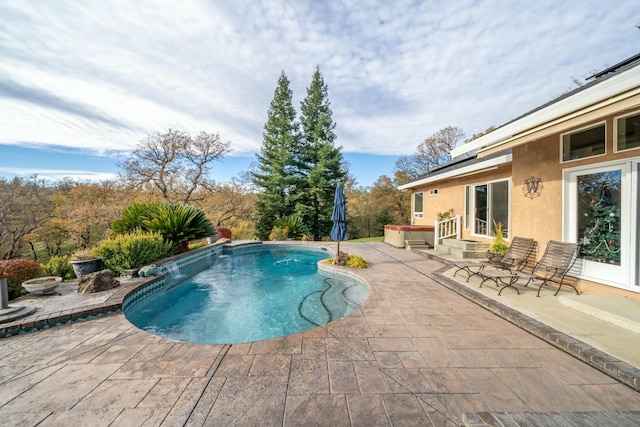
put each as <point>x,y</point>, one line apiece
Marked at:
<point>177,223</point>
<point>293,223</point>
<point>278,233</point>
<point>352,261</point>
<point>59,266</point>
<point>356,261</point>
<point>17,271</point>
<point>498,246</point>
<point>83,255</point>
<point>134,216</point>
<point>133,250</point>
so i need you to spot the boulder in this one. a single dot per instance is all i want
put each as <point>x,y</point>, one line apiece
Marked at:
<point>96,282</point>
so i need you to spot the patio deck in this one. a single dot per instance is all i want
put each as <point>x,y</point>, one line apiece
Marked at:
<point>416,353</point>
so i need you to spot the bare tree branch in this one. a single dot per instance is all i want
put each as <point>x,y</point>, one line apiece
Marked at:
<point>173,164</point>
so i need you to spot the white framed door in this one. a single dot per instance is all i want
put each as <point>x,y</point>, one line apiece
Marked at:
<point>598,206</point>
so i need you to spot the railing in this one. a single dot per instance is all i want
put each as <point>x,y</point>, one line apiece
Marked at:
<point>481,227</point>
<point>446,228</point>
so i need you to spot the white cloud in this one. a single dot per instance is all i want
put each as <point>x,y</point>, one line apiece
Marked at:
<point>106,74</point>
<point>52,175</point>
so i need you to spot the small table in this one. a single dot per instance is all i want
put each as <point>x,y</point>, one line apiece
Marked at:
<point>506,278</point>
<point>466,267</point>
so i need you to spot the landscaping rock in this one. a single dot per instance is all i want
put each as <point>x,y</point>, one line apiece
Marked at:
<point>96,282</point>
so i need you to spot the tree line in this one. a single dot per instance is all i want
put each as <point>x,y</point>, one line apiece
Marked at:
<point>297,170</point>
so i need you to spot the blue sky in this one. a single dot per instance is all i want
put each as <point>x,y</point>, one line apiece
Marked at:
<point>82,82</point>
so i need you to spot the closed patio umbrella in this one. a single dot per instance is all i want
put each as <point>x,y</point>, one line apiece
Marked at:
<point>339,229</point>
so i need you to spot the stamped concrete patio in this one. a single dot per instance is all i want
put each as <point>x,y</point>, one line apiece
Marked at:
<point>416,353</point>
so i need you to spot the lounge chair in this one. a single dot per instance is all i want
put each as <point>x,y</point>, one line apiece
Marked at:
<point>557,260</point>
<point>515,259</point>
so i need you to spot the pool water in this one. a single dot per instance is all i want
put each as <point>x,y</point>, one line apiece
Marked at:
<point>249,297</point>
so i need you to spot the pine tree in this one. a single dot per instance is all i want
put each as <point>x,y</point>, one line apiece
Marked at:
<point>321,161</point>
<point>278,174</point>
<point>601,238</point>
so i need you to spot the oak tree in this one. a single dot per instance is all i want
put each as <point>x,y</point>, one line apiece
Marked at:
<point>173,164</point>
<point>434,151</point>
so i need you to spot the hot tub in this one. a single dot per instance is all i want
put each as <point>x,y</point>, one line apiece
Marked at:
<point>397,235</point>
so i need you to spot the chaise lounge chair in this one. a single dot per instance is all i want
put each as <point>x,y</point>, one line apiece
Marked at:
<point>514,260</point>
<point>556,262</point>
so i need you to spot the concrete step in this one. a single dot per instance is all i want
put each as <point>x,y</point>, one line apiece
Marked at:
<point>466,245</point>
<point>621,311</point>
<point>415,244</point>
<point>467,254</point>
<point>463,249</point>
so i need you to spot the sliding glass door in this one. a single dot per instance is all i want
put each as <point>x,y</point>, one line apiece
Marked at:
<point>491,204</point>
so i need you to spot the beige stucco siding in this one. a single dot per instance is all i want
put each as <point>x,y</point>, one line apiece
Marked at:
<point>451,195</point>
<point>539,217</point>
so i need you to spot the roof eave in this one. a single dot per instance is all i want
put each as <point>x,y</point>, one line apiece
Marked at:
<point>606,89</point>
<point>467,170</point>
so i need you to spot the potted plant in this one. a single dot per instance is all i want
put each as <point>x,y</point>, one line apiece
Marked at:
<point>42,285</point>
<point>85,262</point>
<point>498,248</point>
<point>212,239</point>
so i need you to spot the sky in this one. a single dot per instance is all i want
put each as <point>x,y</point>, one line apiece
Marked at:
<point>83,82</point>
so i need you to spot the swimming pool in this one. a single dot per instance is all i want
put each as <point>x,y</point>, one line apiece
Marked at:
<point>262,293</point>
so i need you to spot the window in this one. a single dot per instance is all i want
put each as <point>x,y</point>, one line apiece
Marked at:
<point>491,204</point>
<point>433,192</point>
<point>584,143</point>
<point>418,208</point>
<point>628,132</point>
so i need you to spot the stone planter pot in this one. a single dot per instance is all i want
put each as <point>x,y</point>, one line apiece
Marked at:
<point>86,266</point>
<point>42,285</point>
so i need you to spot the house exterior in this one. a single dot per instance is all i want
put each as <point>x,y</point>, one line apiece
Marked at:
<point>568,171</point>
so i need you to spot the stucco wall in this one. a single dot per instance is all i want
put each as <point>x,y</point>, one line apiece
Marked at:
<point>451,195</point>
<point>541,217</point>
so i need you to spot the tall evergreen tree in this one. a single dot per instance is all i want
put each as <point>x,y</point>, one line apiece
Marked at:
<point>277,173</point>
<point>321,161</point>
